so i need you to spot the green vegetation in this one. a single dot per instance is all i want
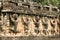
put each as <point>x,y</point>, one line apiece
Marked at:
<point>47,2</point>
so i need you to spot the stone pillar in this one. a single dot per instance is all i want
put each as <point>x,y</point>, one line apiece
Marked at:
<point>25,23</point>
<point>20,26</point>
<point>41,27</point>
<point>31,27</point>
<point>56,26</point>
<point>49,27</point>
<point>35,29</point>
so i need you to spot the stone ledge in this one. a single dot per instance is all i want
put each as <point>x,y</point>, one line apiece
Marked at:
<point>29,38</point>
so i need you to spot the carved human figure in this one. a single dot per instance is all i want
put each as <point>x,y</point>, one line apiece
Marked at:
<point>14,20</point>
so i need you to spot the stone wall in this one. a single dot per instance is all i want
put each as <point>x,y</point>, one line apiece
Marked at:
<point>28,18</point>
<point>29,25</point>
